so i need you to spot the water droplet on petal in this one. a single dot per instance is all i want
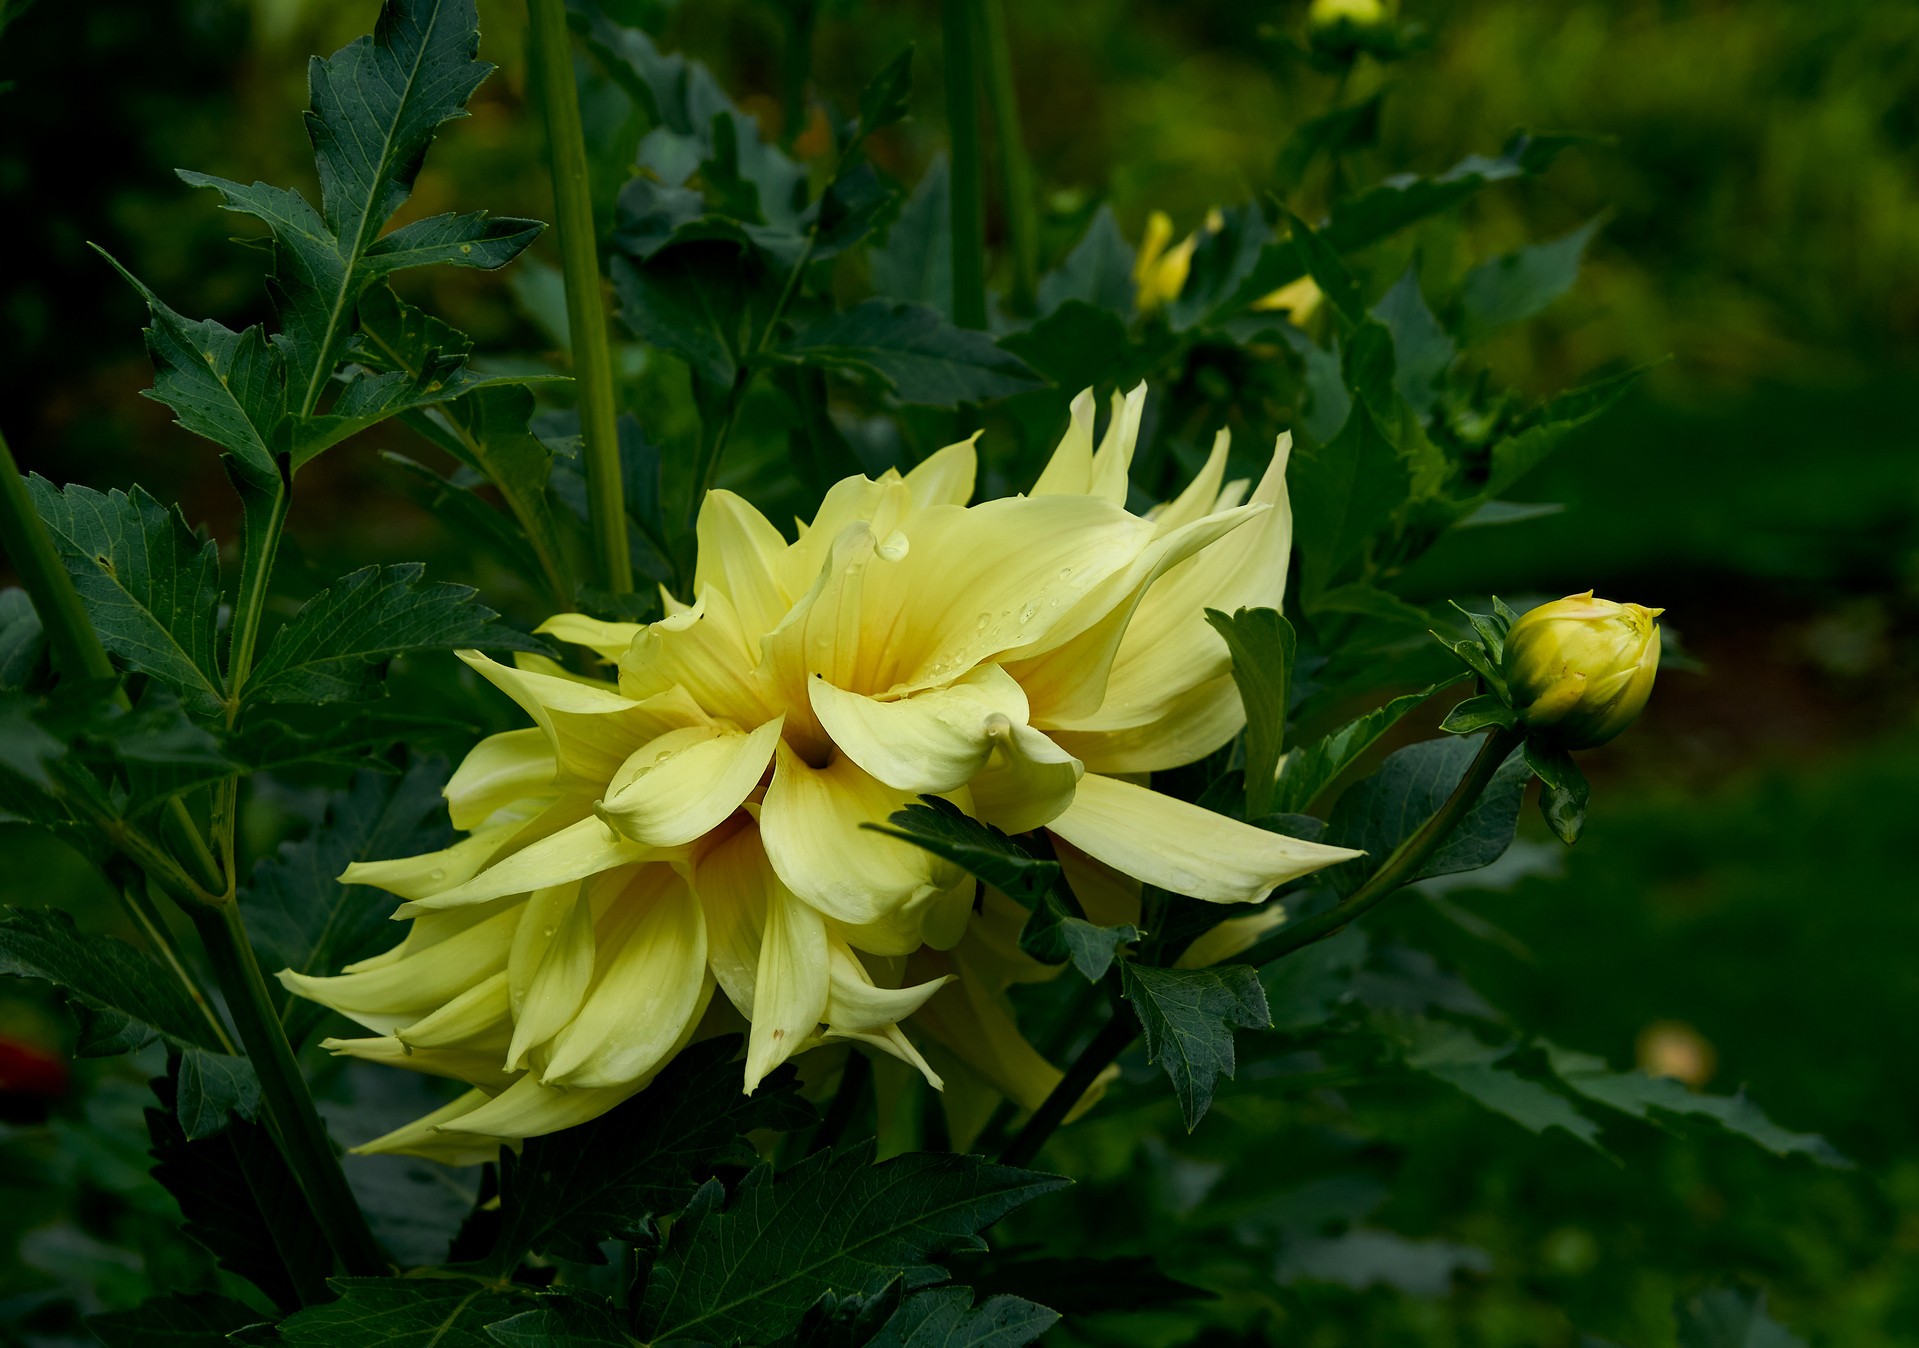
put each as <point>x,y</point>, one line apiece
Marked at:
<point>437,873</point>
<point>547,932</point>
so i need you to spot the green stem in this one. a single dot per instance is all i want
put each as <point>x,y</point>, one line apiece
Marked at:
<point>139,908</point>
<point>297,1124</point>
<point>76,646</point>
<point>962,121</point>
<point>552,60</point>
<point>1018,197</point>
<point>1400,866</point>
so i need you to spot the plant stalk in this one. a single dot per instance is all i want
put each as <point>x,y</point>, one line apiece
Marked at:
<point>296,1123</point>
<point>1018,197</point>
<point>138,905</point>
<point>552,60</point>
<point>1400,866</point>
<point>962,29</point>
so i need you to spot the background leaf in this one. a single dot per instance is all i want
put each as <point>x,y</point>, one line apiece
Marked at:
<point>913,352</point>
<point>122,997</point>
<point>1188,1016</point>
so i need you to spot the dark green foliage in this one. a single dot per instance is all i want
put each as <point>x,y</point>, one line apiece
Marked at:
<point>1263,646</point>
<point>1513,288</point>
<point>750,1265</point>
<point>1310,769</point>
<point>1726,1318</point>
<point>1458,1058</point>
<point>561,1322</point>
<point>1563,790</point>
<point>123,998</point>
<point>914,353</point>
<point>192,1320</point>
<point>1343,493</point>
<point>403,1313</point>
<point>1098,272</point>
<point>1188,1017</point>
<point>564,1194</point>
<point>338,644</point>
<point>947,1318</point>
<point>1377,814</point>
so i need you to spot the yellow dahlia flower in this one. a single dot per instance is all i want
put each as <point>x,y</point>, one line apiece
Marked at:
<point>699,822</point>
<point>1160,272</point>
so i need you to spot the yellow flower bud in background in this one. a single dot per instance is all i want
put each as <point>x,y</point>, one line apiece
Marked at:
<point>1351,14</point>
<point>1159,271</point>
<point>1581,668</point>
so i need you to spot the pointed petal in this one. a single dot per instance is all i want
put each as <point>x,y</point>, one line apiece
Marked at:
<point>424,1138</point>
<point>592,730</point>
<point>1202,493</point>
<point>811,823</point>
<point>476,1019</point>
<point>606,640</point>
<point>1232,937</point>
<point>573,853</point>
<point>789,990</point>
<point>397,994</point>
<point>432,872</point>
<point>731,880</point>
<point>481,1067</point>
<point>549,968</point>
<point>704,650</point>
<point>647,987</point>
<point>741,555</point>
<point>687,782</point>
<point>1183,848</point>
<point>1201,719</point>
<point>528,1109</point>
<point>946,476</point>
<point>1069,472</point>
<point>1029,782</point>
<point>1114,458</point>
<point>856,1005</point>
<point>929,742</point>
<point>499,770</point>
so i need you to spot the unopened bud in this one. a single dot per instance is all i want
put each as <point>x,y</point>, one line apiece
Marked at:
<point>1351,15</point>
<point>1580,669</point>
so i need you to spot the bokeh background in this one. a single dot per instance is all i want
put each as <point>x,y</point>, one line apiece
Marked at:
<point>1743,896</point>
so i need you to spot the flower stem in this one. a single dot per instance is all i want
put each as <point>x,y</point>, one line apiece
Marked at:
<point>130,885</point>
<point>552,60</point>
<point>1016,169</point>
<point>294,1121</point>
<point>1400,866</point>
<point>962,120</point>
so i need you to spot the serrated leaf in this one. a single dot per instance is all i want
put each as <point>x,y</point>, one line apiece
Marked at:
<point>1099,270</point>
<point>1377,814</point>
<point>1262,644</point>
<point>337,646</point>
<point>1458,1057</point>
<point>1423,351</point>
<point>1729,1318</point>
<point>227,386</point>
<point>175,1320</point>
<point>1563,793</point>
<point>211,1087</point>
<point>299,914</point>
<point>1517,455</point>
<point>149,585</point>
<point>123,997</point>
<point>1343,494</point>
<point>1075,345</point>
<point>752,1266</point>
<point>1512,288</point>
<point>562,1321</point>
<point>1188,1016</point>
<point>914,262</point>
<point>1647,1097</point>
<point>947,1318</point>
<point>562,1195</point>
<point>1310,770</point>
<point>884,99</point>
<point>240,1201</point>
<point>913,352</point>
<point>697,300</point>
<point>403,1313</point>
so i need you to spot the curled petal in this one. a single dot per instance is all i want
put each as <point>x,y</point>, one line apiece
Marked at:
<point>501,770</point>
<point>684,784</point>
<point>606,640</point>
<point>741,555</point>
<point>573,853</point>
<point>401,992</point>
<point>929,742</point>
<point>946,476</point>
<point>549,967</point>
<point>1029,783</point>
<point>1183,848</point>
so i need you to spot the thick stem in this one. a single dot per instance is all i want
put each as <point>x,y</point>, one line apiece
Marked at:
<point>1018,199</point>
<point>1400,866</point>
<point>962,120</point>
<point>552,60</point>
<point>76,646</point>
<point>1108,1044</point>
<point>296,1123</point>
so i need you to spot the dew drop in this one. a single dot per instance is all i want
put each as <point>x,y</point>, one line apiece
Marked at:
<point>437,873</point>
<point>1027,614</point>
<point>985,621</point>
<point>547,932</point>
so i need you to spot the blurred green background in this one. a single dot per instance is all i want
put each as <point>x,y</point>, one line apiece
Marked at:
<point>1747,871</point>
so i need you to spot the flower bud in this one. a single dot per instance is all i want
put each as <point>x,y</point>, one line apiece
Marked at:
<point>1349,15</point>
<point>1581,668</point>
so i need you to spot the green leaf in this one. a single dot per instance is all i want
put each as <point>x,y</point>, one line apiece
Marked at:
<point>947,1318</point>
<point>240,1201</point>
<point>1222,262</point>
<point>884,99</point>
<point>1377,814</point>
<point>914,262</point>
<point>1344,492</point>
<point>403,1313</point>
<point>1075,345</point>
<point>1423,351</point>
<point>376,106</point>
<point>176,1320</point>
<point>1099,270</point>
<point>913,352</point>
<point>1310,770</point>
<point>149,585</point>
<point>697,300</point>
<point>1728,1318</point>
<point>1329,272</point>
<point>564,1194</point>
<point>123,998</point>
<point>1457,1057</point>
<point>1188,1016</point>
<point>1564,791</point>
<point>1647,1097</point>
<point>338,644</point>
<point>562,1321</point>
<point>1476,713</point>
<point>1513,288</point>
<point>227,386</point>
<point>212,1086</point>
<point>299,914</point>
<point>752,1266</point>
<point>1262,645</point>
<point>1518,455</point>
<point>23,642</point>
<point>27,749</point>
<point>1307,986</point>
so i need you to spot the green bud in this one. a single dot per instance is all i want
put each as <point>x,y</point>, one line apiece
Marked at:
<point>1349,16</point>
<point>1581,668</point>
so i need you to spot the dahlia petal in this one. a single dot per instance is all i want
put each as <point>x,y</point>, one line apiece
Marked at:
<point>946,476</point>
<point>1069,472</point>
<point>425,1138</point>
<point>573,853</point>
<point>790,983</point>
<point>929,742</point>
<point>549,968</point>
<point>397,994</point>
<point>605,639</point>
<point>1183,848</point>
<point>1029,783</point>
<point>740,555</point>
<point>500,770</point>
<point>478,1018</point>
<point>684,787</point>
